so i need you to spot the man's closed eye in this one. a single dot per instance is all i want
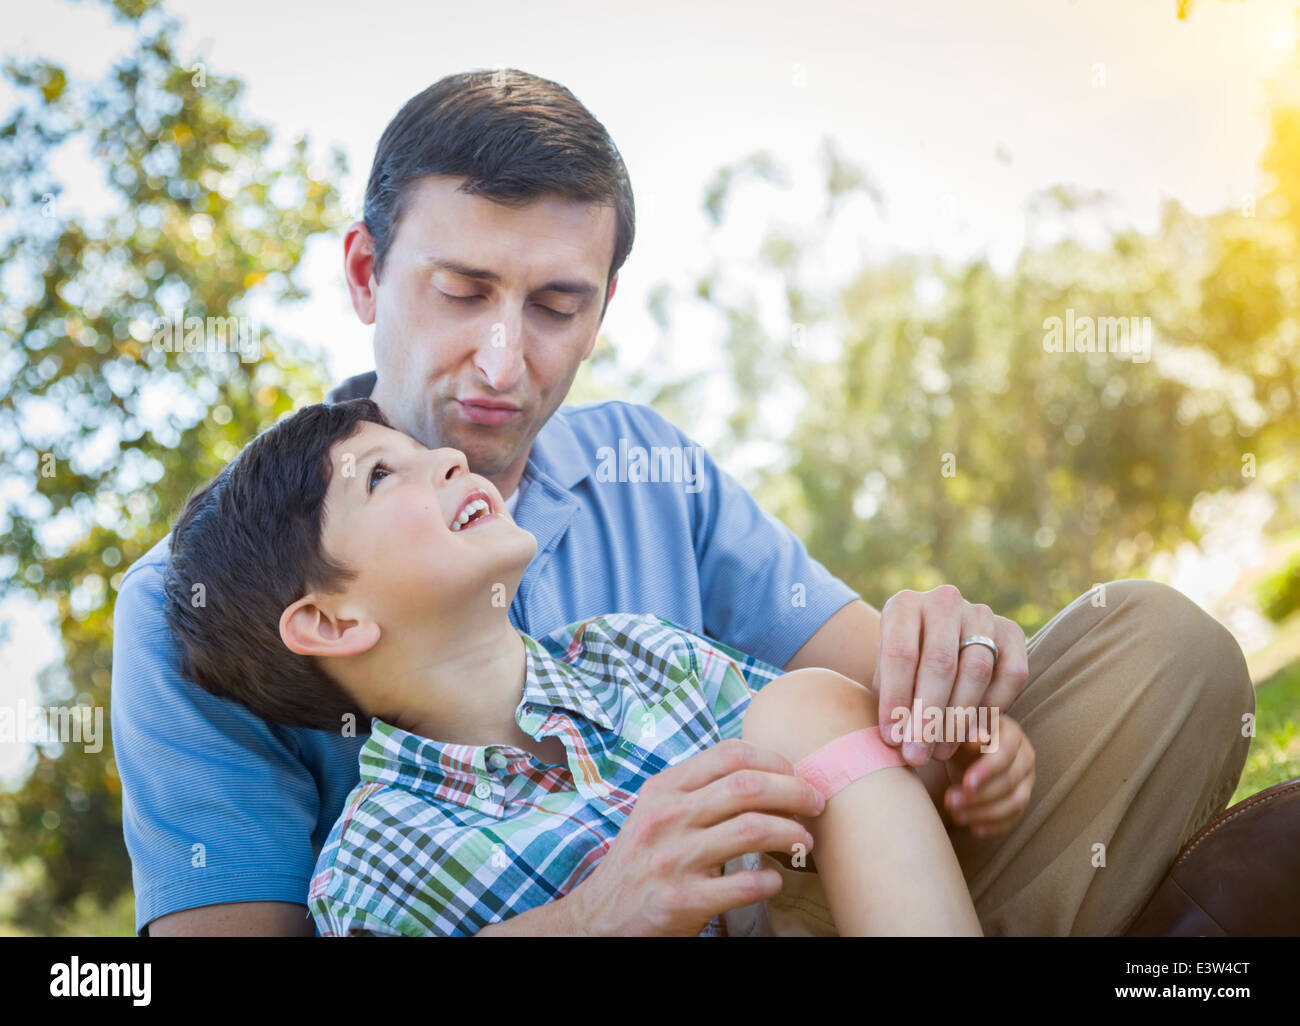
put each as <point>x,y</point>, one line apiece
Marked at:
<point>541,306</point>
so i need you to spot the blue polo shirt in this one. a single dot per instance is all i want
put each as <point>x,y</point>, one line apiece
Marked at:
<point>630,516</point>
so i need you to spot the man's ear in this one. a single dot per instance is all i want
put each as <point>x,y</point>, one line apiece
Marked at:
<point>358,269</point>
<point>309,628</point>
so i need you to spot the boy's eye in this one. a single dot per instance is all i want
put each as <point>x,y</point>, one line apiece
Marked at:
<point>378,468</point>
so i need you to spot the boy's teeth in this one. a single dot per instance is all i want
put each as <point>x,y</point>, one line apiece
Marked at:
<point>478,505</point>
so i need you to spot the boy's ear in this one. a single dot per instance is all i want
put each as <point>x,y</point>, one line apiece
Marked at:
<point>310,629</point>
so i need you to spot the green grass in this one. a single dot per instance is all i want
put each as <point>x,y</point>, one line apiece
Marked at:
<point>1275,750</point>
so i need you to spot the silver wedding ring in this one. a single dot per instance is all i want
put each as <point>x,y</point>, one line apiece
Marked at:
<point>980,639</point>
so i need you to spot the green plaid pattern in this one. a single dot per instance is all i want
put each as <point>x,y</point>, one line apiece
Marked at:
<point>445,839</point>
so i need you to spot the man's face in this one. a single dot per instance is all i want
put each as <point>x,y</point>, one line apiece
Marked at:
<point>392,518</point>
<point>480,301</point>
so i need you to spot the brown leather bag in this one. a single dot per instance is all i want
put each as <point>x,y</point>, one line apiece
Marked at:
<point>1238,876</point>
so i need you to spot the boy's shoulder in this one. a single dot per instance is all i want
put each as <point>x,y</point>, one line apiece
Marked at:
<point>642,633</point>
<point>643,637</point>
<point>359,808</point>
<point>347,883</point>
<point>648,655</point>
<point>378,823</point>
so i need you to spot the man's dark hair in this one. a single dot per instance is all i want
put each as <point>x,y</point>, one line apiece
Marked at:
<point>514,137</point>
<point>248,544</point>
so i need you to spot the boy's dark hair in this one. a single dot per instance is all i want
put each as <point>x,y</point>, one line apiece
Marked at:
<point>247,545</point>
<point>514,136</point>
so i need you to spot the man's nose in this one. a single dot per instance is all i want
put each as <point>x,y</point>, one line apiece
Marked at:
<point>500,355</point>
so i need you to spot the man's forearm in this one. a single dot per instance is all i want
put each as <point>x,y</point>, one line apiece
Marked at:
<point>846,643</point>
<point>554,919</point>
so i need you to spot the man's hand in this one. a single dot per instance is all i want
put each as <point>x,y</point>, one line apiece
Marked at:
<point>919,657</point>
<point>663,873</point>
<point>991,789</point>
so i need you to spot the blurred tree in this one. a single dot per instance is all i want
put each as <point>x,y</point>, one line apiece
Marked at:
<point>937,439</point>
<point>103,434</point>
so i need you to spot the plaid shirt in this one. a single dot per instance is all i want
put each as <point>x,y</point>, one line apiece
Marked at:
<point>445,839</point>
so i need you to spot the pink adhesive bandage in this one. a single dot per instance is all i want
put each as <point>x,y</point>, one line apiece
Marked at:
<point>838,763</point>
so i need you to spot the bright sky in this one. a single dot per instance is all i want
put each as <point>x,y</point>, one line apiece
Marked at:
<point>958,110</point>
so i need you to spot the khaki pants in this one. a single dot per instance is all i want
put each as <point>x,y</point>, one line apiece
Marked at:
<point>1134,705</point>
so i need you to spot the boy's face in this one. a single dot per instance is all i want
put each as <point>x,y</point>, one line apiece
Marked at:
<point>388,517</point>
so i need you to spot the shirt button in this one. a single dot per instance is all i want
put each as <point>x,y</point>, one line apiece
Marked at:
<point>497,761</point>
<point>483,790</point>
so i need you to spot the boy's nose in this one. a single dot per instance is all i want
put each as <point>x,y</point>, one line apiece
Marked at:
<point>448,463</point>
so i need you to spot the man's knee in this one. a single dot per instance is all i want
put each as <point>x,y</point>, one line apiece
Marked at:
<point>1201,654</point>
<point>802,710</point>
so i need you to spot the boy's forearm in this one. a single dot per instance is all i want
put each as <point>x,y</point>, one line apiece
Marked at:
<point>554,919</point>
<point>886,863</point>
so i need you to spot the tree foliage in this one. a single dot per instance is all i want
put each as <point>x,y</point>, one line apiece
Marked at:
<point>935,439</point>
<point>103,435</point>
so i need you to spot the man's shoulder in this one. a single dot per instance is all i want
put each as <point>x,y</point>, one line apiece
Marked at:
<point>146,573</point>
<point>141,596</point>
<point>359,386</point>
<point>597,415</point>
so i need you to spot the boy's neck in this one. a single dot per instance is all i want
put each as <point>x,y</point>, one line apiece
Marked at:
<point>457,683</point>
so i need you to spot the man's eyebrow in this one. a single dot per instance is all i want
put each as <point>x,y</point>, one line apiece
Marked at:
<point>585,289</point>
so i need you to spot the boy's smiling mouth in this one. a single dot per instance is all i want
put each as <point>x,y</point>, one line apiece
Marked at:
<point>474,509</point>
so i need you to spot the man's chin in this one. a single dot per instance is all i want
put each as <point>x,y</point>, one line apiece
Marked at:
<point>489,449</point>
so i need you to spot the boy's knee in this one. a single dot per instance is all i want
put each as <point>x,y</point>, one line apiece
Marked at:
<point>799,712</point>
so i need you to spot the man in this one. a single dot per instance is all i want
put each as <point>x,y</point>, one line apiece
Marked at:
<point>497,216</point>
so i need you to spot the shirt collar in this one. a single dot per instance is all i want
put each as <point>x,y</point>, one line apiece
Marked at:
<point>557,453</point>
<point>473,775</point>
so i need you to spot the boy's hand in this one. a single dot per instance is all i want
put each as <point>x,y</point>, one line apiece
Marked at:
<point>991,789</point>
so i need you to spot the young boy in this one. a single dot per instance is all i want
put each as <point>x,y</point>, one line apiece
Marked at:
<point>338,575</point>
